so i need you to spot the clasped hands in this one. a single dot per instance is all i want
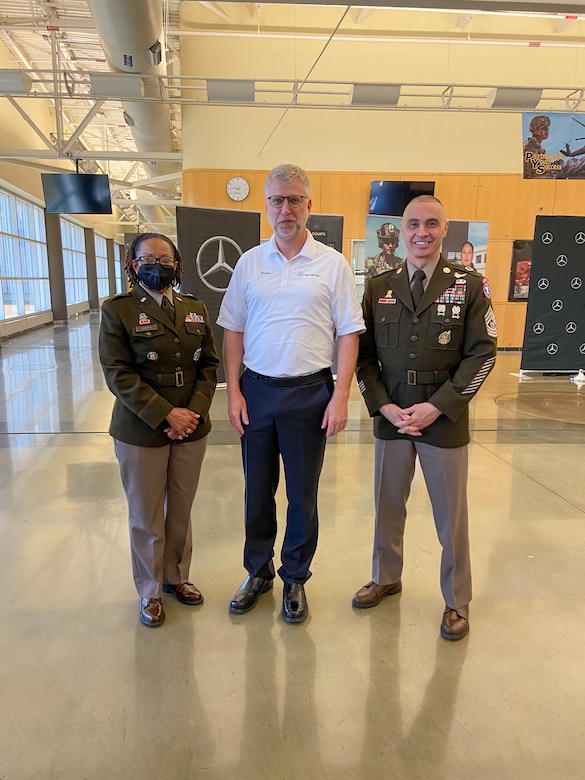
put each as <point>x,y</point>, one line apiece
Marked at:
<point>412,420</point>
<point>182,423</point>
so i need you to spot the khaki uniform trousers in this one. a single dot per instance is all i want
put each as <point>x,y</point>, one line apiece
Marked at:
<point>160,485</point>
<point>445,473</point>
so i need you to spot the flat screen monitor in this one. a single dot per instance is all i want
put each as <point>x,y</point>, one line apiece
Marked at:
<point>77,193</point>
<point>390,198</point>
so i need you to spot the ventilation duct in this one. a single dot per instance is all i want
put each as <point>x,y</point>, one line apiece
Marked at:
<point>130,33</point>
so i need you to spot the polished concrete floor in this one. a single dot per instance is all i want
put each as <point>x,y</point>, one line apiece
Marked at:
<point>88,693</point>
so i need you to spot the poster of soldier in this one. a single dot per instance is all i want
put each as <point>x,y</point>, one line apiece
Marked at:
<point>465,243</point>
<point>553,146</point>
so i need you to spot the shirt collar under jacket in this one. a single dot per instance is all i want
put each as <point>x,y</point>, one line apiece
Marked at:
<point>309,247</point>
<point>158,296</point>
<point>429,269</point>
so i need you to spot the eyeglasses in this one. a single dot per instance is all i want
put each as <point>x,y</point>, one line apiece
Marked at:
<point>294,201</point>
<point>151,260</point>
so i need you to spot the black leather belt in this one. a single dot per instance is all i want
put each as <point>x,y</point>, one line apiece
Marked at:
<point>418,377</point>
<point>290,381</point>
<point>177,379</point>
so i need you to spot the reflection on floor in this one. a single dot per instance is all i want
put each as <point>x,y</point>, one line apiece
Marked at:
<point>88,692</point>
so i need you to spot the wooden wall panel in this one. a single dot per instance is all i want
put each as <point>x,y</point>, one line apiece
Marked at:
<point>569,198</point>
<point>458,194</point>
<point>510,318</point>
<point>347,194</point>
<point>510,204</point>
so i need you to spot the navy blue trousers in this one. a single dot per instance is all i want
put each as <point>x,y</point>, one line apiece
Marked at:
<point>284,421</point>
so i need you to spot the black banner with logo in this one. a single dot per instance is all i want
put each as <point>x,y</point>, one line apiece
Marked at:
<point>554,336</point>
<point>211,241</point>
<point>328,229</point>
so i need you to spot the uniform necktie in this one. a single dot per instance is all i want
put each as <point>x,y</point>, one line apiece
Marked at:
<point>417,287</point>
<point>168,308</point>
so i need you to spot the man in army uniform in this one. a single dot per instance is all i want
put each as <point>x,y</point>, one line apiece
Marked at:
<point>425,354</point>
<point>533,148</point>
<point>388,236</point>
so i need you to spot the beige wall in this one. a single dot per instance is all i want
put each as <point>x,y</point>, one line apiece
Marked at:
<point>508,202</point>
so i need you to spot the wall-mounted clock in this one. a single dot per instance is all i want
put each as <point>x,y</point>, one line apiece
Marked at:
<point>238,188</point>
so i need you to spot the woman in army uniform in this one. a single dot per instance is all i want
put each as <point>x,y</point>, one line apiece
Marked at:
<point>159,360</point>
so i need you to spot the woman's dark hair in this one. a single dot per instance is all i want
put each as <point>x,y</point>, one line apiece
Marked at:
<point>132,253</point>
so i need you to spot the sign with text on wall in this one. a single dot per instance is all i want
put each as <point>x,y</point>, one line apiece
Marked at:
<point>553,146</point>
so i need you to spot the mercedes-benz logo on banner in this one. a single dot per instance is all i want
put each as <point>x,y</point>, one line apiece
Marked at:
<point>538,328</point>
<point>576,282</point>
<point>580,237</point>
<point>552,349</point>
<point>543,284</point>
<point>557,305</point>
<point>582,349</point>
<point>547,238</point>
<point>562,260</point>
<point>211,254</point>
<point>571,327</point>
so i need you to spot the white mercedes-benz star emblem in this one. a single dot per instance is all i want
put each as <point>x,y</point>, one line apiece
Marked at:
<point>557,305</point>
<point>552,349</point>
<point>562,260</point>
<point>538,328</point>
<point>547,238</point>
<point>543,284</point>
<point>218,254</point>
<point>576,282</point>
<point>582,349</point>
<point>580,237</point>
<point>571,327</point>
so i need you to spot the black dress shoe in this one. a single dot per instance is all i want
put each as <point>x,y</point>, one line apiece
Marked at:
<point>294,603</point>
<point>247,595</point>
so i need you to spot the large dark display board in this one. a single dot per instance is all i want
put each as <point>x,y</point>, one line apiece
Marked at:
<point>211,241</point>
<point>328,229</point>
<point>554,336</point>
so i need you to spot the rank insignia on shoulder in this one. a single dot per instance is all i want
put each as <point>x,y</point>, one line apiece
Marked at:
<point>152,356</point>
<point>197,354</point>
<point>444,337</point>
<point>143,299</point>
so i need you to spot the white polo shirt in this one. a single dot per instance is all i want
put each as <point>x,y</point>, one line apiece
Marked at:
<point>290,310</point>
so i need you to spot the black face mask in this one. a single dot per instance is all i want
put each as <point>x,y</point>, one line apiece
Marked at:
<point>156,277</point>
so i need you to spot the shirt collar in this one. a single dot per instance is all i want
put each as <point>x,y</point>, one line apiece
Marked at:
<point>158,296</point>
<point>308,250</point>
<point>429,269</point>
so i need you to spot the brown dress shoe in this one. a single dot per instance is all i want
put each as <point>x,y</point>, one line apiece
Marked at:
<point>372,594</point>
<point>455,624</point>
<point>152,613</point>
<point>186,593</point>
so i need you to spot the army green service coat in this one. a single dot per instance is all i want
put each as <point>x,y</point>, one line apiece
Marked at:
<point>440,353</point>
<point>152,365</point>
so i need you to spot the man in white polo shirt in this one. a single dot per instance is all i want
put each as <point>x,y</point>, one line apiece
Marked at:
<point>286,303</point>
